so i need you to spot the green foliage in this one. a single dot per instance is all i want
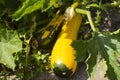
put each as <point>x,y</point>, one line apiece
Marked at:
<point>31,66</point>
<point>32,5</point>
<point>10,43</point>
<point>19,19</point>
<point>108,46</point>
<point>15,38</point>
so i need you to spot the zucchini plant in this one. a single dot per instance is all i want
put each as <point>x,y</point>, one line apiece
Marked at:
<point>63,60</point>
<point>19,19</point>
<point>63,54</point>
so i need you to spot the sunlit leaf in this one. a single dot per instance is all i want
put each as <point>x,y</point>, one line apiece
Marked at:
<point>30,6</point>
<point>108,45</point>
<point>10,43</point>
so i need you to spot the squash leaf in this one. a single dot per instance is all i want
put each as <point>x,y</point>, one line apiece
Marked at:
<point>10,43</point>
<point>81,47</point>
<point>108,45</point>
<point>30,6</point>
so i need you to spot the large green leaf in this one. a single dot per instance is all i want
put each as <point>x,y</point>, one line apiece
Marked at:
<point>112,46</point>
<point>108,45</point>
<point>32,5</point>
<point>10,43</point>
<point>81,47</point>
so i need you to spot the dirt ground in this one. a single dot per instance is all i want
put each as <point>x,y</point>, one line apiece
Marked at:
<point>80,74</point>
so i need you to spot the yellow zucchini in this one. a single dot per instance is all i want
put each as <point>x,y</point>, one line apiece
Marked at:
<point>63,54</point>
<point>46,35</point>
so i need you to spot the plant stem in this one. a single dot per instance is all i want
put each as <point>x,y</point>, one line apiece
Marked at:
<point>88,15</point>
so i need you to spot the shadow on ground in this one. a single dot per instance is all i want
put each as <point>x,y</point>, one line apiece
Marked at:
<point>80,74</point>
